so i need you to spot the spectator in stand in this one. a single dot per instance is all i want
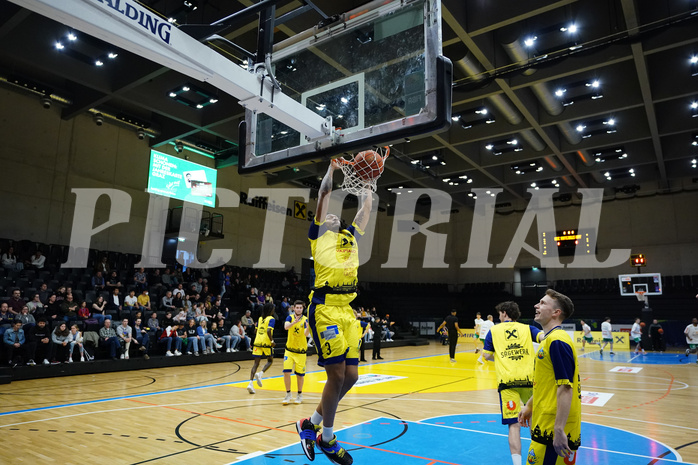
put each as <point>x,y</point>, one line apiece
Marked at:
<point>44,293</point>
<point>35,305</point>
<point>113,282</point>
<point>59,337</point>
<point>179,292</point>
<point>136,315</point>
<point>285,307</point>
<point>69,309</point>
<point>221,281</point>
<point>220,338</point>
<point>168,320</point>
<point>37,261</point>
<point>181,317</point>
<point>75,339</point>
<point>200,313</point>
<point>198,285</point>
<point>168,280</point>
<point>252,299</point>
<point>16,302</point>
<point>83,311</point>
<point>285,283</point>
<point>248,323</point>
<point>141,337</point>
<point>268,299</point>
<point>261,298</point>
<point>245,342</point>
<point>39,343</point>
<point>166,302</point>
<point>144,301</point>
<point>168,336</point>
<point>98,282</point>
<point>9,260</point>
<point>60,294</point>
<point>154,324</point>
<point>156,278</point>
<point>193,339</point>
<point>5,316</point>
<point>131,301</point>
<point>125,334</point>
<point>107,336</point>
<point>98,310</point>
<point>205,339</point>
<point>53,308</point>
<point>140,279</point>
<point>114,302</point>
<point>182,335</point>
<point>102,266</point>
<point>15,344</point>
<point>25,318</point>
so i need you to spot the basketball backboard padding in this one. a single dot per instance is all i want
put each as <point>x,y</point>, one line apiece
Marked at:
<point>629,284</point>
<point>379,74</point>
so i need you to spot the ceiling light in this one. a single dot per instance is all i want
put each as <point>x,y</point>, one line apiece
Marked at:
<point>533,184</point>
<point>173,95</point>
<point>72,37</point>
<point>539,169</point>
<point>185,89</point>
<point>199,106</point>
<point>463,176</point>
<point>595,84</point>
<point>572,28</point>
<point>446,179</point>
<point>481,111</point>
<point>213,100</point>
<point>170,20</point>
<point>581,128</point>
<point>470,194</point>
<point>344,100</point>
<point>470,181</point>
<point>455,117</point>
<point>489,146</point>
<point>414,162</point>
<point>99,62</point>
<point>694,163</point>
<point>513,142</point>
<point>112,55</point>
<point>59,46</point>
<point>560,92</point>
<point>610,122</point>
<point>528,42</point>
<point>342,116</point>
<point>434,157</point>
<point>694,60</point>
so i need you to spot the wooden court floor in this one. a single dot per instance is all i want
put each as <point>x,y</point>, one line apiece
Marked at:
<point>204,414</point>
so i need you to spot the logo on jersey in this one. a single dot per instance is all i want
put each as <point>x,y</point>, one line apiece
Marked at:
<point>512,333</point>
<point>541,354</point>
<point>511,405</point>
<point>532,459</point>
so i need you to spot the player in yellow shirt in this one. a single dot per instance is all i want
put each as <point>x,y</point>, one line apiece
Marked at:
<point>334,247</point>
<point>554,413</point>
<point>296,346</point>
<point>263,346</point>
<point>510,345</point>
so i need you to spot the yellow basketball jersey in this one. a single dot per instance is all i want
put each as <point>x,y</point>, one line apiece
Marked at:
<point>262,338</point>
<point>513,349</point>
<point>336,261</point>
<point>296,340</point>
<point>545,393</point>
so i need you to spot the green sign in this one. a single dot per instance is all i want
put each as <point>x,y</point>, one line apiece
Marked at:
<point>181,179</point>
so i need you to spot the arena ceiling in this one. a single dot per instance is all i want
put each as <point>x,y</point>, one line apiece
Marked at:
<point>578,93</point>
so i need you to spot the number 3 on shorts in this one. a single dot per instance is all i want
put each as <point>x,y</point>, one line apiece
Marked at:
<point>328,348</point>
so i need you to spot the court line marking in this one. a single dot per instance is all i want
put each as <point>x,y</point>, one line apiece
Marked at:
<point>678,456</point>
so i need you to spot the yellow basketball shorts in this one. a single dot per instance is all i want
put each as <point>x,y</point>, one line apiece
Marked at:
<point>335,334</point>
<point>510,402</point>
<point>541,454</point>
<point>262,352</point>
<point>291,359</point>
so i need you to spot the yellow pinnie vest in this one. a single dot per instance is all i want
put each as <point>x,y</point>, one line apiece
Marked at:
<point>513,349</point>
<point>296,341</point>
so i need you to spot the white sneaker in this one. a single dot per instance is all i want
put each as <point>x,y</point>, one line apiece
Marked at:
<point>177,353</point>
<point>233,350</point>
<point>299,399</point>
<point>31,363</point>
<point>228,351</point>
<point>219,346</point>
<point>250,388</point>
<point>169,354</point>
<point>82,358</point>
<point>258,378</point>
<point>70,359</point>
<point>481,361</point>
<point>46,362</point>
<point>126,356</point>
<point>122,357</point>
<point>287,399</point>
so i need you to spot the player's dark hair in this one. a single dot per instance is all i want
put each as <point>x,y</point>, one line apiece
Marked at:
<point>343,224</point>
<point>299,302</point>
<point>268,310</point>
<point>511,308</point>
<point>564,303</point>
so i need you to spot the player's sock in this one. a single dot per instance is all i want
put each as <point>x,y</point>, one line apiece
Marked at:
<point>327,433</point>
<point>316,419</point>
<point>516,459</point>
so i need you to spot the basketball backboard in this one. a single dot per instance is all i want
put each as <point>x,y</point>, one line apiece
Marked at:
<point>650,283</point>
<point>377,74</point>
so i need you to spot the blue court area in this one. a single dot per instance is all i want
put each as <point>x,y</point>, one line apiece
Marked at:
<point>650,358</point>
<point>469,439</point>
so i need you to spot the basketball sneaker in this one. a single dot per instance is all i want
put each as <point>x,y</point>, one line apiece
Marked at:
<point>299,399</point>
<point>250,388</point>
<point>336,453</point>
<point>258,378</point>
<point>688,352</point>
<point>287,399</point>
<point>307,432</point>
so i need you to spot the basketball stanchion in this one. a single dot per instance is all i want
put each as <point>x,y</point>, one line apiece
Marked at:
<point>363,170</point>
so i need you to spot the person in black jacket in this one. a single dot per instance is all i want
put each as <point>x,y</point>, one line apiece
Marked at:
<point>39,343</point>
<point>377,327</point>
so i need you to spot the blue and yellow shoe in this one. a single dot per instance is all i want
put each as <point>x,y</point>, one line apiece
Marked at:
<point>336,453</point>
<point>307,431</point>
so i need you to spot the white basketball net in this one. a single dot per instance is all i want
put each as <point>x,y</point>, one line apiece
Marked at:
<point>357,185</point>
<point>641,296</point>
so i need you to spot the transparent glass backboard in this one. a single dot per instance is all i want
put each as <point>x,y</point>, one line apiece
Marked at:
<point>379,74</point>
<point>650,283</point>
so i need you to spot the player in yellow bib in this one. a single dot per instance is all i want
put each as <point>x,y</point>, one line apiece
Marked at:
<point>554,413</point>
<point>296,346</point>
<point>334,247</point>
<point>263,346</point>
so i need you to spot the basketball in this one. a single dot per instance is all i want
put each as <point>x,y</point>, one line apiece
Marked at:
<point>642,325</point>
<point>661,331</point>
<point>368,165</point>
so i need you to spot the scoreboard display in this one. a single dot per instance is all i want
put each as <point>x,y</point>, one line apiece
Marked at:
<point>566,241</point>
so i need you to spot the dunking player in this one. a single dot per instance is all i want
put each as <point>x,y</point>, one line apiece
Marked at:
<point>296,346</point>
<point>554,412</point>
<point>334,247</point>
<point>510,346</point>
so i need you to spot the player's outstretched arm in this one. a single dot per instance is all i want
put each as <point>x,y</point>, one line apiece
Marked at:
<point>364,213</point>
<point>323,200</point>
